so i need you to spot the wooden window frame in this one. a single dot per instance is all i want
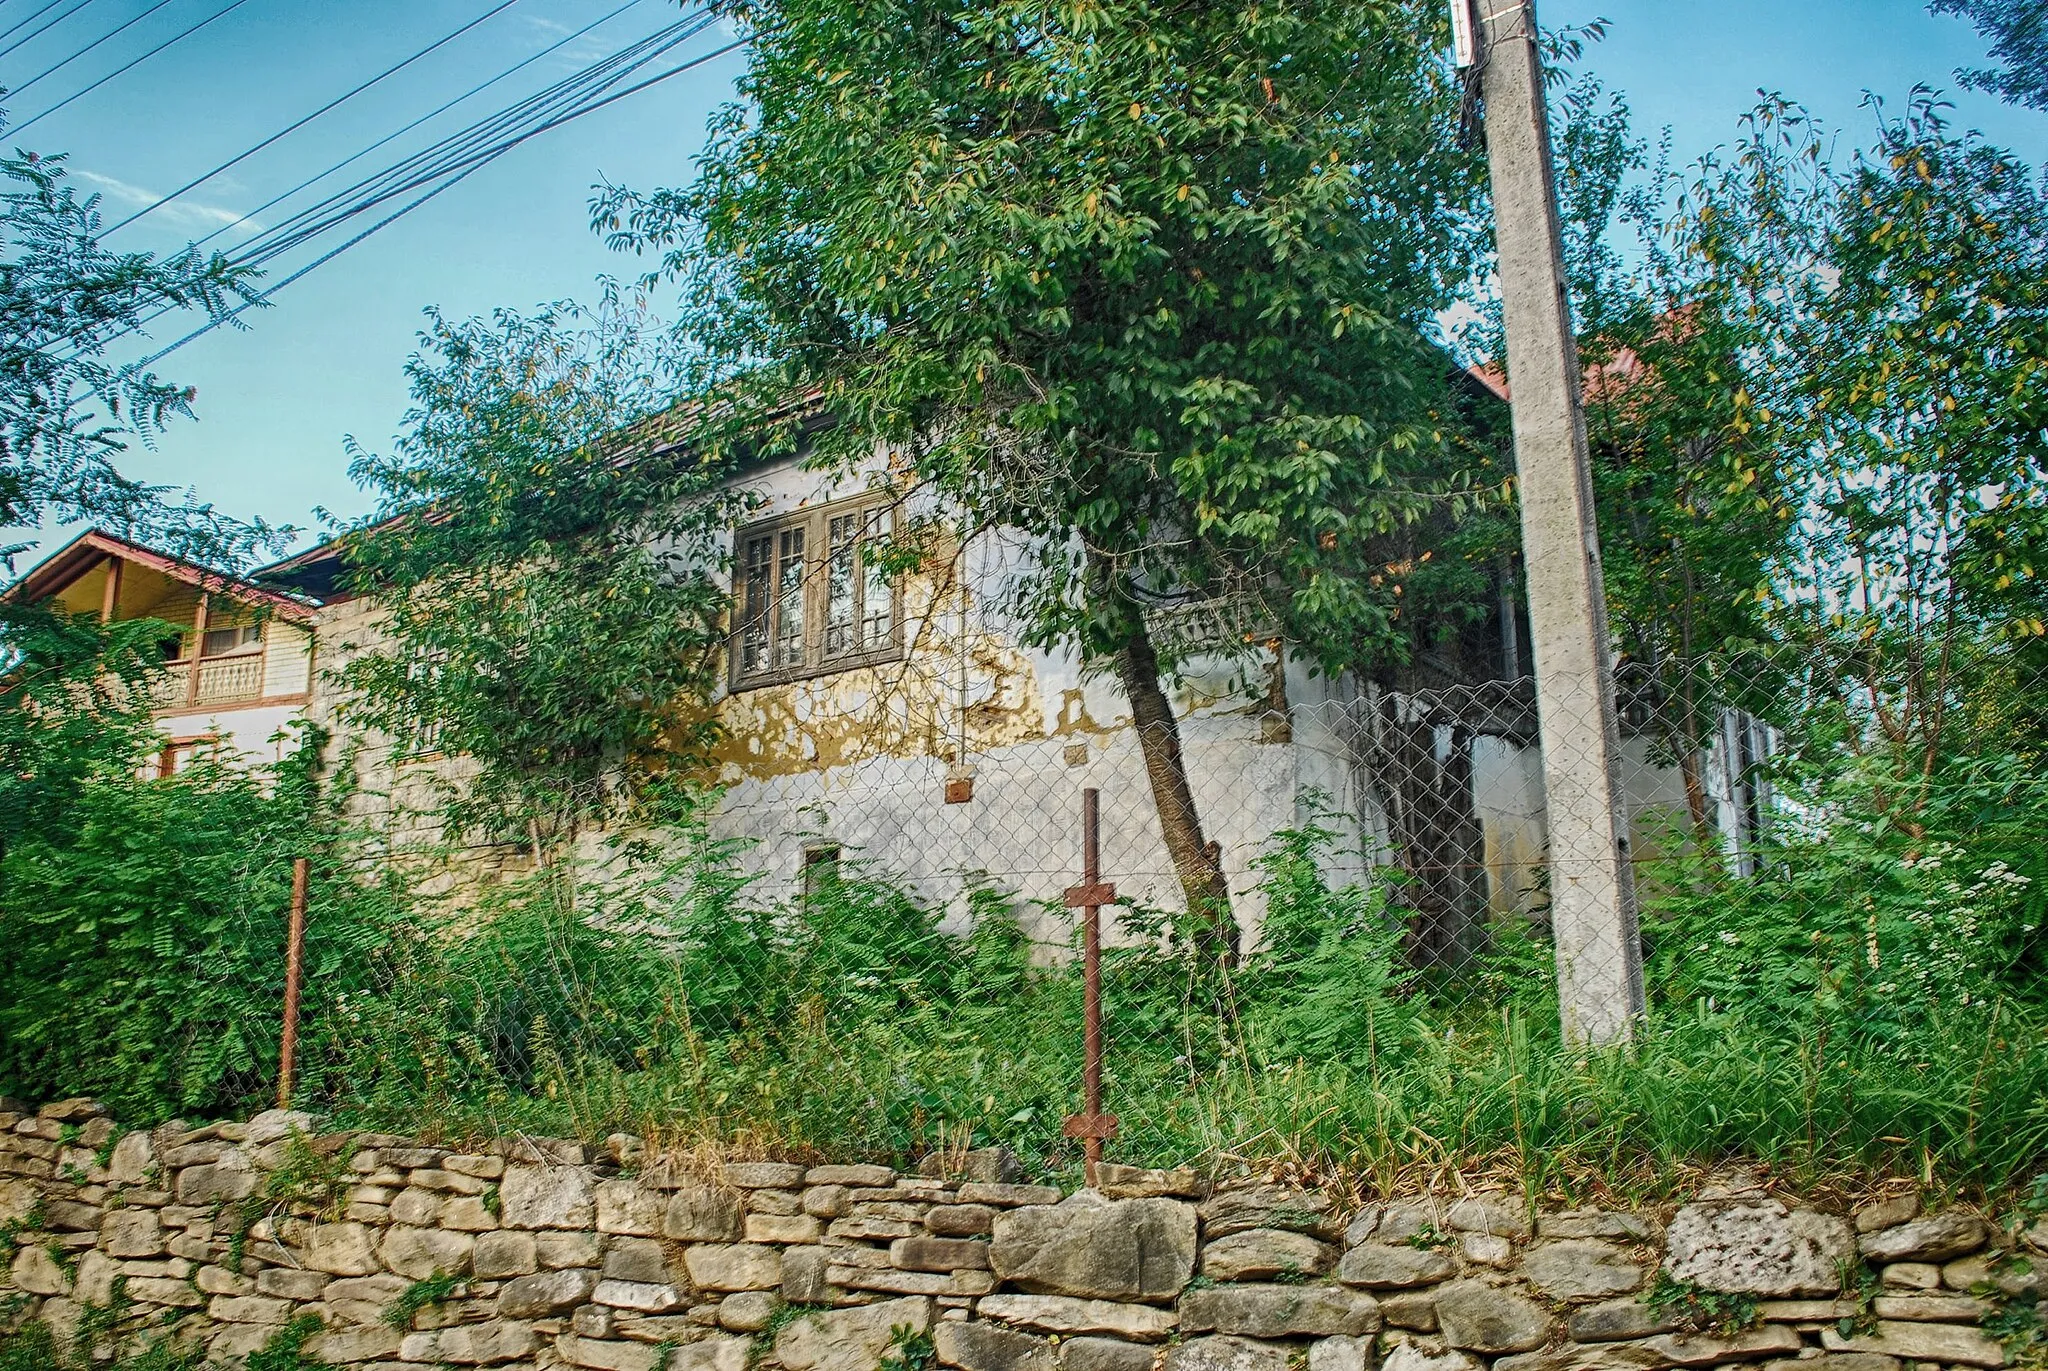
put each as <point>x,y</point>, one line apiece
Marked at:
<point>815,525</point>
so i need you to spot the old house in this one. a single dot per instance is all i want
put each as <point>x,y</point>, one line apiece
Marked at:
<point>902,722</point>
<point>237,657</point>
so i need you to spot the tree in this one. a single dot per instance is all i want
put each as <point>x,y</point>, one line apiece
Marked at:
<point>67,413</point>
<point>2018,30</point>
<point>544,560</point>
<point>1147,280</point>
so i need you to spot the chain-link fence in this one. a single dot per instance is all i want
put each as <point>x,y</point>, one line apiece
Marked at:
<point>1331,944</point>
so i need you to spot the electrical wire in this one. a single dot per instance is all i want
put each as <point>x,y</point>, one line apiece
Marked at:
<point>474,166</point>
<point>395,134</point>
<point>45,28</point>
<point>243,156</point>
<point>33,17</point>
<point>486,139</point>
<point>52,70</point>
<point>136,62</point>
<point>450,174</point>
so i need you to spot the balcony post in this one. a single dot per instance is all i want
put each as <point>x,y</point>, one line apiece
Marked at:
<point>198,651</point>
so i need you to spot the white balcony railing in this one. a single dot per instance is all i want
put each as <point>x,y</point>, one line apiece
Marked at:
<point>222,680</point>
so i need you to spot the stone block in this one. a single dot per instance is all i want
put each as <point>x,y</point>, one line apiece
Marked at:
<point>1603,1356</point>
<point>133,1159</point>
<point>1340,1353</point>
<point>287,1283</point>
<point>501,1254</point>
<point>1225,1354</point>
<point>1476,1317</point>
<point>852,1339</point>
<point>1142,1183</point>
<point>636,1259</point>
<point>234,1343</point>
<point>231,1178</point>
<point>1384,1266</point>
<point>644,1297</point>
<point>420,1208</point>
<point>1488,1214</point>
<point>132,1233</point>
<point>345,1346</point>
<point>218,1280</point>
<point>1618,1321</point>
<point>1279,1311</point>
<point>1004,1195</point>
<point>828,1201</point>
<point>1092,1248</point>
<point>939,1254</point>
<point>888,1280</point>
<point>420,1252</point>
<point>249,1309</point>
<point>36,1272</point>
<point>165,1290</point>
<point>446,1181</point>
<point>557,1249</point>
<point>533,1196</point>
<point>988,1347</point>
<point>1936,1238</point>
<point>1932,1308</point>
<point>479,1344</point>
<point>605,1354</point>
<point>804,1275</point>
<point>873,1177</point>
<point>1758,1249</point>
<point>1912,1276</point>
<point>1066,1315</point>
<point>1885,1213</point>
<point>1707,1349</point>
<point>761,1175</point>
<point>748,1311</point>
<point>1581,1268</point>
<point>734,1266</point>
<point>626,1206</point>
<point>1411,1309</point>
<point>1923,1342</point>
<point>339,1249</point>
<point>1104,1354</point>
<point>468,1214</point>
<point>1260,1254</point>
<point>545,1293</point>
<point>783,1228</point>
<point>1487,1249</point>
<point>1264,1205</point>
<point>960,1220</point>
<point>481,1167</point>
<point>700,1213</point>
<point>363,1299</point>
<point>1614,1225</point>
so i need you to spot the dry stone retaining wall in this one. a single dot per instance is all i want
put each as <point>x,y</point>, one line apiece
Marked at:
<point>567,1256</point>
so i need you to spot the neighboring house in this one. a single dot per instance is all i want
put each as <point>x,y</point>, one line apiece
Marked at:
<point>238,657</point>
<point>903,722</point>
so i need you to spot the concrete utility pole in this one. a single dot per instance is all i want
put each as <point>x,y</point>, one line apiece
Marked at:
<point>1592,886</point>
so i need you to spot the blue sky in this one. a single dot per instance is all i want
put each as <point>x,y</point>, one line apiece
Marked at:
<point>276,401</point>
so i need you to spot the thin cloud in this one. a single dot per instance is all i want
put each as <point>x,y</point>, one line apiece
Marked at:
<point>187,212</point>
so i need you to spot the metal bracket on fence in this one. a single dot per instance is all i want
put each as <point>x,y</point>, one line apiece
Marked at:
<point>1091,1125</point>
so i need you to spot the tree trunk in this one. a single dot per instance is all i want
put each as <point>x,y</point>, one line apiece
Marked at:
<point>1194,861</point>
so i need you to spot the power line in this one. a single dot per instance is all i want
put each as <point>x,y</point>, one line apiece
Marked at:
<point>475,164</point>
<point>477,89</point>
<point>47,71</point>
<point>499,8</point>
<point>33,17</point>
<point>445,156</point>
<point>511,125</point>
<point>45,28</point>
<point>175,38</point>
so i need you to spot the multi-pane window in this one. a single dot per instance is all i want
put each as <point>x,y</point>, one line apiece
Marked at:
<point>221,641</point>
<point>813,596</point>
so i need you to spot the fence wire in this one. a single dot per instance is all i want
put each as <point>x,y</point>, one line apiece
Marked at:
<point>1337,951</point>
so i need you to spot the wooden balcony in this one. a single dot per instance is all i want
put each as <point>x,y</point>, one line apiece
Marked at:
<point>231,679</point>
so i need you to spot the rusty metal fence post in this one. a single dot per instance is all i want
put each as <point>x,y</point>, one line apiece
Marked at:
<point>1091,1125</point>
<point>294,969</point>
